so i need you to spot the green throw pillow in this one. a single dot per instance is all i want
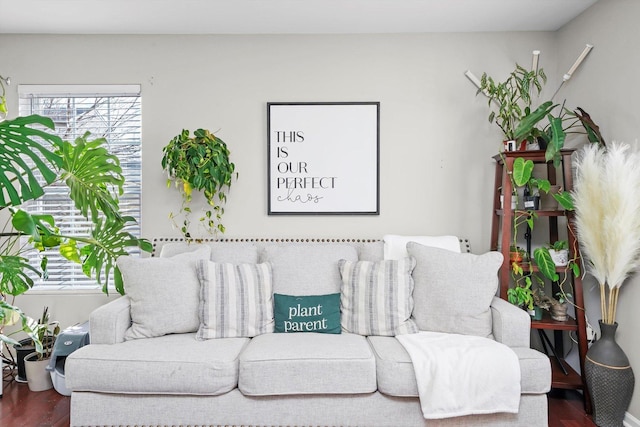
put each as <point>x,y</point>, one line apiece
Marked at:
<point>313,313</point>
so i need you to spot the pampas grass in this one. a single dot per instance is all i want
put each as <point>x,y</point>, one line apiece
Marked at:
<point>607,205</point>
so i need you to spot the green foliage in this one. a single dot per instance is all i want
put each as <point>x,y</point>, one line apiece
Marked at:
<point>545,263</point>
<point>42,331</point>
<point>199,163</point>
<point>510,101</point>
<point>93,175</point>
<point>521,295</point>
<point>94,179</point>
<point>559,245</point>
<point>19,141</point>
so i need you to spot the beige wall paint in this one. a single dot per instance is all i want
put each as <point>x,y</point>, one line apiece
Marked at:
<point>436,144</point>
<point>608,85</point>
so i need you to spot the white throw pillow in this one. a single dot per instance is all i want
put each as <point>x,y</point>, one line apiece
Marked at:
<point>236,300</point>
<point>395,247</point>
<point>164,293</point>
<point>376,297</point>
<point>453,292</point>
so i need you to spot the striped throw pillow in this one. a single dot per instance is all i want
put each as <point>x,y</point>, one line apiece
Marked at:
<point>236,300</point>
<point>376,297</point>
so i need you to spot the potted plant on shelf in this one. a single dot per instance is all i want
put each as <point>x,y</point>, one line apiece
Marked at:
<point>606,198</point>
<point>510,103</point>
<point>201,163</point>
<point>559,252</point>
<point>545,126</point>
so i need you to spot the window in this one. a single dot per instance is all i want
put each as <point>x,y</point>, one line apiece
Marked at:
<point>109,111</point>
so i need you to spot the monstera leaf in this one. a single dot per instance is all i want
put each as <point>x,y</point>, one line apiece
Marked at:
<point>108,241</point>
<point>92,175</point>
<point>19,144</point>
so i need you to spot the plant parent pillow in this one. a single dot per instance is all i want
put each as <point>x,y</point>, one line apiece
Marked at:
<point>453,291</point>
<point>376,297</point>
<point>236,300</point>
<point>164,293</point>
<point>313,313</point>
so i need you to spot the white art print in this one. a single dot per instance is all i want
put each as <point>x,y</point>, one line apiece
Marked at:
<point>323,158</point>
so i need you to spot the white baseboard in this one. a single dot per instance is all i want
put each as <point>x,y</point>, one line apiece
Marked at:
<point>630,420</point>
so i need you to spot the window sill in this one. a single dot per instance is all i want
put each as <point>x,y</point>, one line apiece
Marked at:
<point>68,290</point>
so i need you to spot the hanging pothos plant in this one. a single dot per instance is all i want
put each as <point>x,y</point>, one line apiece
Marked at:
<point>201,163</point>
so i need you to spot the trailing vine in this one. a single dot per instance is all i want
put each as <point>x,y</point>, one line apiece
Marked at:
<point>201,163</point>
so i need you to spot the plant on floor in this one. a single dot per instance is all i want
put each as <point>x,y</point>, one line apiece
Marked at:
<point>201,163</point>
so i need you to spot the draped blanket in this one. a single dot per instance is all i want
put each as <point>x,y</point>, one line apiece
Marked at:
<point>463,375</point>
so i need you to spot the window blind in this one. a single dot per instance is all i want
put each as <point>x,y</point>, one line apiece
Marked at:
<point>108,111</point>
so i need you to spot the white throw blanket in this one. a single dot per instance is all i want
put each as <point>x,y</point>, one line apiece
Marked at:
<point>463,375</point>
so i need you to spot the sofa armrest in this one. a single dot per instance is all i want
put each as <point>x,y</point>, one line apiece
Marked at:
<point>511,325</point>
<point>108,323</point>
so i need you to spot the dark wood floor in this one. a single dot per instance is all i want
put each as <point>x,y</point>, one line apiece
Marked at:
<point>21,408</point>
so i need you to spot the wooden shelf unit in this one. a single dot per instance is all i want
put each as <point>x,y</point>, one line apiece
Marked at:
<point>501,240</point>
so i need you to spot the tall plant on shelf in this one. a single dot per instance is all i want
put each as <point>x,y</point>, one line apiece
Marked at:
<point>32,157</point>
<point>199,163</point>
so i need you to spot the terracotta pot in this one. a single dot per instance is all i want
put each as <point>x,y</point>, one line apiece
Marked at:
<point>38,378</point>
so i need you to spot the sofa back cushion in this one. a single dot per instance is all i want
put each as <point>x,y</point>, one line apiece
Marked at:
<point>377,297</point>
<point>164,293</point>
<point>232,252</point>
<point>307,269</point>
<point>453,291</point>
<point>236,300</point>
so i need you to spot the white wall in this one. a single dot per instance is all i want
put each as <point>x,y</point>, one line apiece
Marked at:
<point>607,86</point>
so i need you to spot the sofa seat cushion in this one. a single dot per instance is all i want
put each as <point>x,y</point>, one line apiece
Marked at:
<point>307,363</point>
<point>396,377</point>
<point>171,364</point>
<point>394,369</point>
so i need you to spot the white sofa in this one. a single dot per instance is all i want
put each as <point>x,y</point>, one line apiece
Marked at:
<point>148,377</point>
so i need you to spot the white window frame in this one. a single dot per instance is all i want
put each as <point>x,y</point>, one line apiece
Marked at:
<point>133,177</point>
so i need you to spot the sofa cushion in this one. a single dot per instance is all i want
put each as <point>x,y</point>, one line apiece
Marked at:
<point>307,363</point>
<point>307,269</point>
<point>171,364</point>
<point>311,313</point>
<point>395,247</point>
<point>164,293</point>
<point>394,369</point>
<point>233,252</point>
<point>377,297</point>
<point>236,300</point>
<point>396,377</point>
<point>453,291</point>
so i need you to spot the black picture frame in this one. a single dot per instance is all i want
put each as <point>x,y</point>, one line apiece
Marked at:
<point>323,158</point>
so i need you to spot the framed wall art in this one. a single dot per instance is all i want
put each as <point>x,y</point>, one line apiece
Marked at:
<point>323,158</point>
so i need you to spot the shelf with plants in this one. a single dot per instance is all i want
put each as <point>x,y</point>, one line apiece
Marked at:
<point>534,272</point>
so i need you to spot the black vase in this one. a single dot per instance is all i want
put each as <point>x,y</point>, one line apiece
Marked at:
<point>610,379</point>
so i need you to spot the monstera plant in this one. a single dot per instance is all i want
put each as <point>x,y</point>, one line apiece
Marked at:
<point>31,158</point>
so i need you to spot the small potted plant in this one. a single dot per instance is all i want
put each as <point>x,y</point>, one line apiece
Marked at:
<point>521,295</point>
<point>517,254</point>
<point>510,103</point>
<point>559,251</point>
<point>559,307</point>
<point>43,333</point>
